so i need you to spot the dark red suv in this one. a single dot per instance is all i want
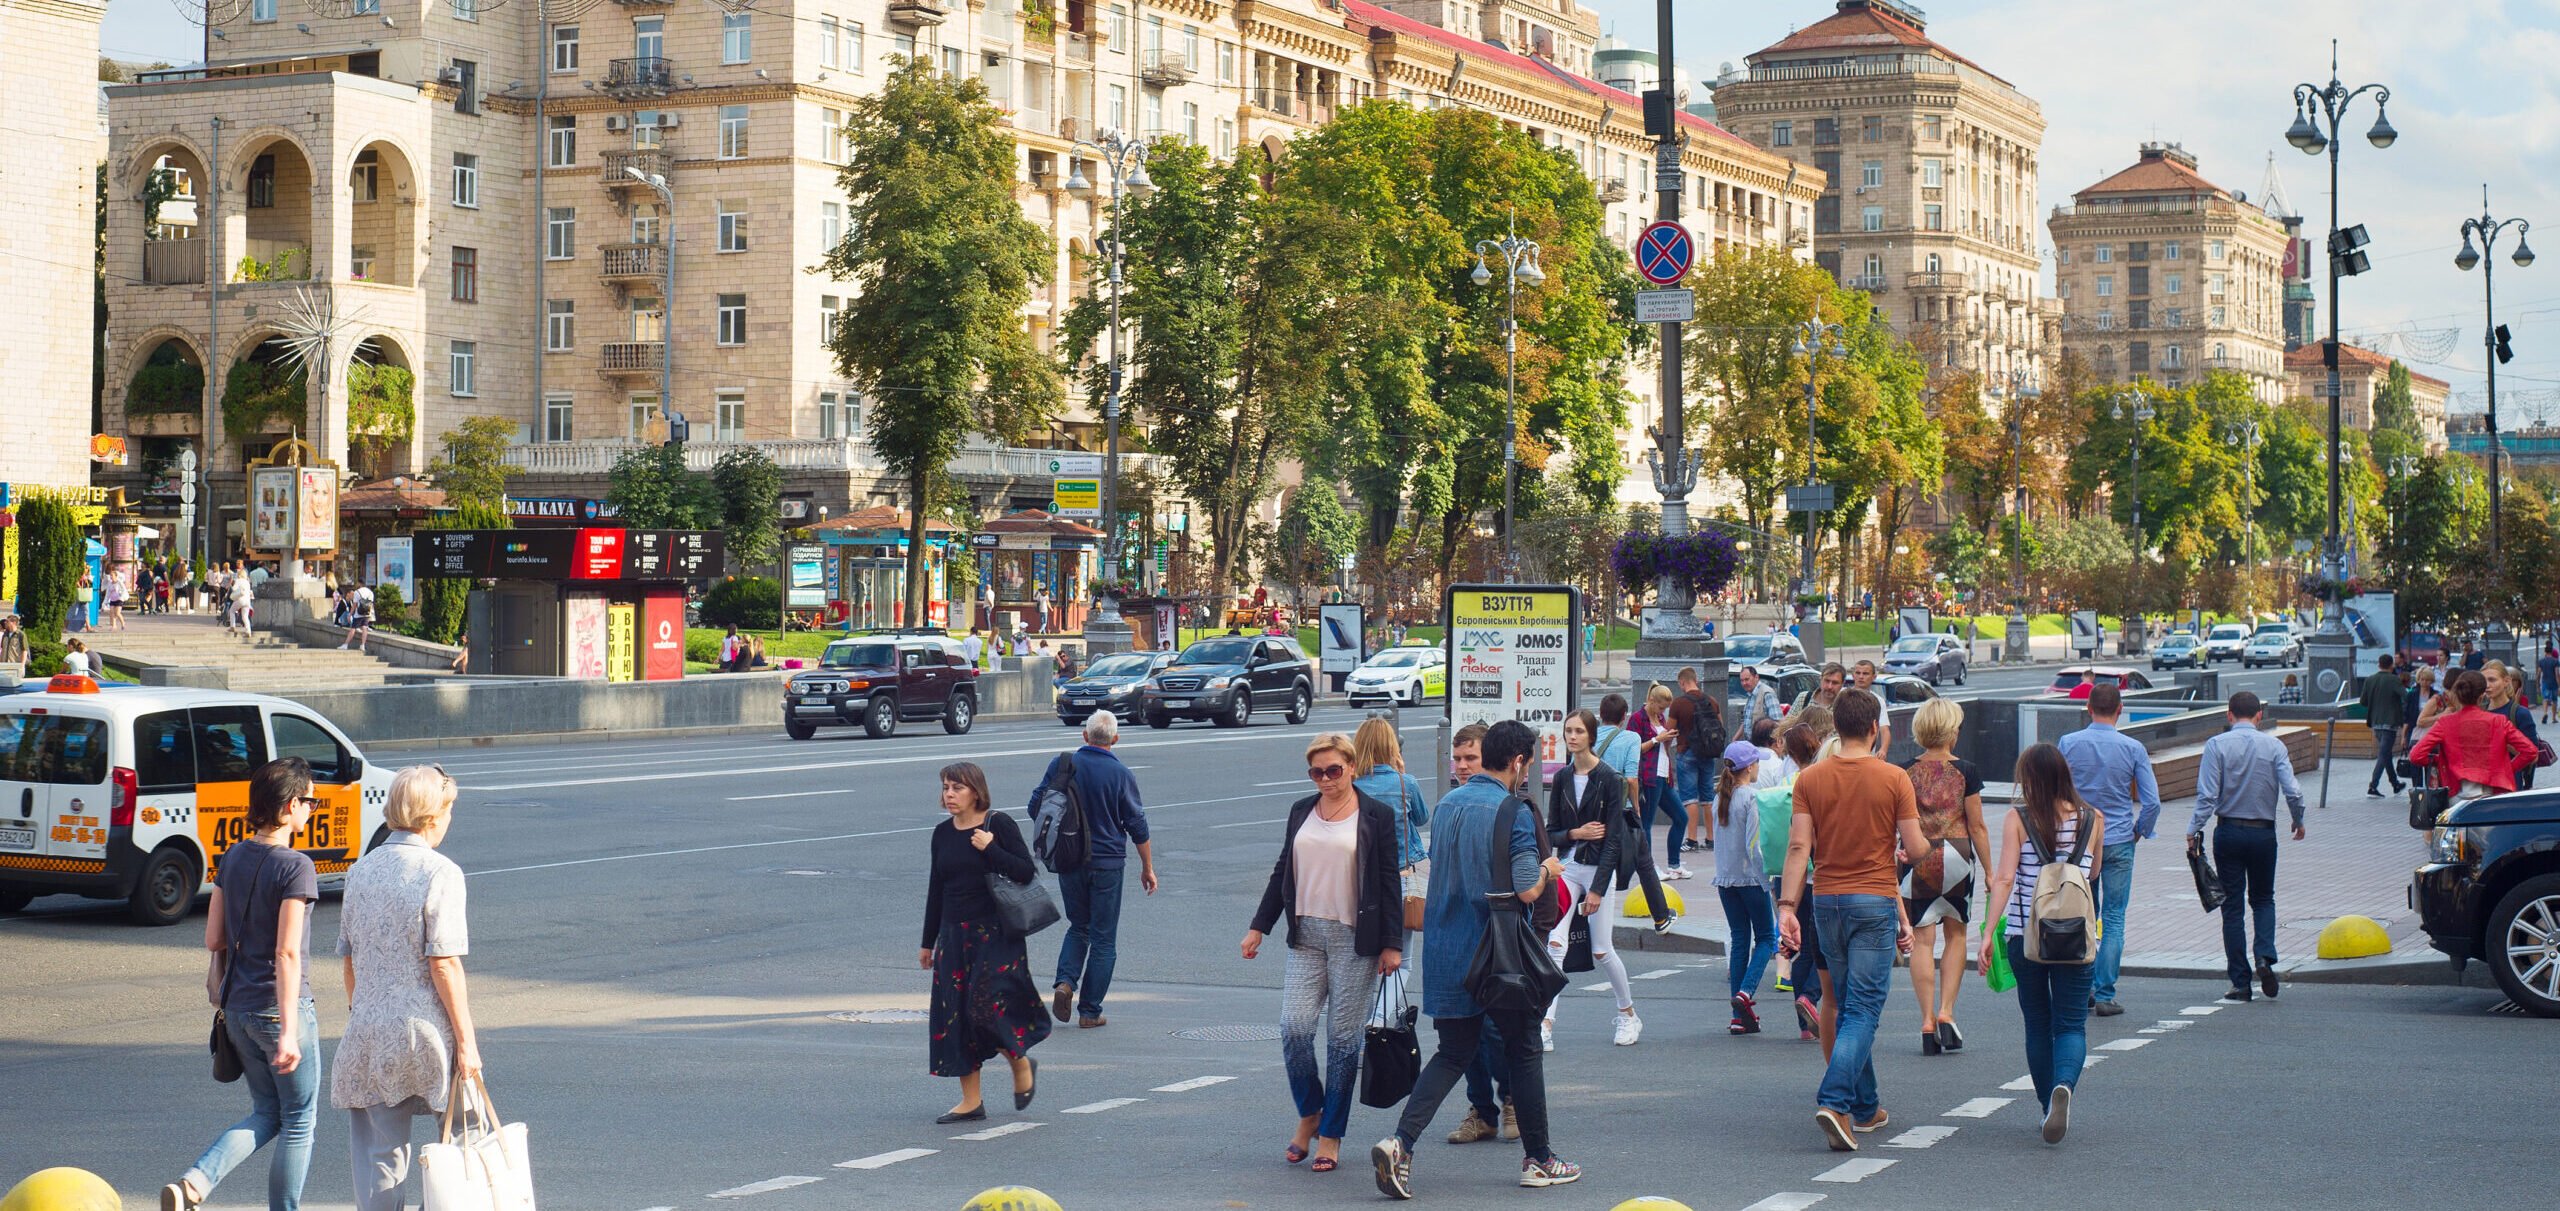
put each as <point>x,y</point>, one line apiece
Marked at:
<point>880,681</point>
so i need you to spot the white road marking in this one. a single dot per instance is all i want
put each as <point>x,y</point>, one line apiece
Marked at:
<point>1106,1104</point>
<point>1657,974</point>
<point>767,1186</point>
<point>1249,823</point>
<point>1282,782</point>
<point>2020,1085</point>
<point>1197,1082</point>
<point>2174,1023</point>
<point>2125,1045</point>
<point>2094,1060</point>
<point>1920,1137</point>
<point>730,770</point>
<point>1855,1171</point>
<point>2197,1011</point>
<point>994,1133</point>
<point>885,1159</point>
<point>1602,986</point>
<point>1786,1202</point>
<point>2151,1030</point>
<point>1981,1107</point>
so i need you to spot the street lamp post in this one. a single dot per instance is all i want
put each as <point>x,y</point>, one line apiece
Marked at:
<point>2245,434</point>
<point>2019,392</point>
<point>2402,470</point>
<point>2495,637</point>
<point>1126,159</point>
<point>2317,112</point>
<point>1814,340</point>
<point>2132,405</point>
<point>677,429</point>
<point>1519,264</point>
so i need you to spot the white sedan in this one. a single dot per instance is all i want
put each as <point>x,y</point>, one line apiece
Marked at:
<point>1405,675</point>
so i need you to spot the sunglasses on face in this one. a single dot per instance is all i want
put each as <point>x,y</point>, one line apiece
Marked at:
<point>1327,773</point>
<point>310,801</point>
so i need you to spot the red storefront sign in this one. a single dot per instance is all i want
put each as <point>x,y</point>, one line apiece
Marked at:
<point>662,636</point>
<point>599,556</point>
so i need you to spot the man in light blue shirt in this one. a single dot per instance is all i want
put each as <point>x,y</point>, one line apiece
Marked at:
<point>2243,772</point>
<point>2112,772</point>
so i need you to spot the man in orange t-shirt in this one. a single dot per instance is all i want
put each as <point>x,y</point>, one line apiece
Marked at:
<point>1849,813</point>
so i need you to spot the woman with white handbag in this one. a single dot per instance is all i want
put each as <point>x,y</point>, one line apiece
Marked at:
<point>401,936</point>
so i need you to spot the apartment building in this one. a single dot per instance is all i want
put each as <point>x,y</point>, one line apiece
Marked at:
<point>2362,373</point>
<point>48,165</point>
<point>488,204</point>
<point>2166,276</point>
<point>1931,163</point>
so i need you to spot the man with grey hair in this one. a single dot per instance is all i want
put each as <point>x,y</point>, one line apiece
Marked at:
<point>1114,821</point>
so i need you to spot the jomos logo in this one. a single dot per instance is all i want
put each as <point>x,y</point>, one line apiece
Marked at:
<point>1552,641</point>
<point>1480,691</point>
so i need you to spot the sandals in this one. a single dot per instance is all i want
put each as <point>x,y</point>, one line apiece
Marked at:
<point>1294,1154</point>
<point>1324,1164</point>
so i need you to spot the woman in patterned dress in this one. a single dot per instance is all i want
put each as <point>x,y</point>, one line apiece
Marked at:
<point>1937,887</point>
<point>401,938</point>
<point>984,1004</point>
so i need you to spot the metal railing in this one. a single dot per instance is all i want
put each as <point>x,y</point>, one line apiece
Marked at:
<point>1164,68</point>
<point>648,74</point>
<point>618,161</point>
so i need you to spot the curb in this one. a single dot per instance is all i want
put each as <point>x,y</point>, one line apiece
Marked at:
<point>514,739</point>
<point>2402,968</point>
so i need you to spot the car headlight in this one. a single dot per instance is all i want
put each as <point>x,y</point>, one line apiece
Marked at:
<point>2448,844</point>
<point>1217,683</point>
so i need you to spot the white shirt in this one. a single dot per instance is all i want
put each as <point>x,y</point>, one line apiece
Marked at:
<point>972,647</point>
<point>1325,857</point>
<point>76,662</point>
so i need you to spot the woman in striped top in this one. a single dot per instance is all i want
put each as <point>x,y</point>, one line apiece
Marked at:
<point>2053,997</point>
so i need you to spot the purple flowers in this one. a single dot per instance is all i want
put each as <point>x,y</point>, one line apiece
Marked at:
<point>1704,560</point>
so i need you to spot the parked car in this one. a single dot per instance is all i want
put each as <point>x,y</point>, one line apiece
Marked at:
<point>2490,890</point>
<point>1225,678</point>
<point>879,682</point>
<point>2067,678</point>
<point>1406,675</point>
<point>1113,683</point>
<point>2225,641</point>
<point>1905,691</point>
<point>2179,651</point>
<point>2422,647</point>
<point>2274,644</point>
<point>1932,658</point>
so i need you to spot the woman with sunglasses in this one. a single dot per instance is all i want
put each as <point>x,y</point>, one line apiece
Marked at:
<point>1336,883</point>
<point>1587,821</point>
<point>259,926</point>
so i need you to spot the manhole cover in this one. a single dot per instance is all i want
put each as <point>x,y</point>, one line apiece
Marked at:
<point>1229,1034</point>
<point>887,1017</point>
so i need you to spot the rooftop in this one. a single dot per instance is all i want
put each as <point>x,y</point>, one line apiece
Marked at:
<point>2165,168</point>
<point>2307,357</point>
<point>1863,27</point>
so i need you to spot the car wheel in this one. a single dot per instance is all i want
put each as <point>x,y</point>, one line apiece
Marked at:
<point>2519,945</point>
<point>14,902</point>
<point>1302,703</point>
<point>1414,698</point>
<point>1241,713</point>
<point>798,730</point>
<point>167,888</point>
<point>381,833</point>
<point>1159,720</point>
<point>959,715</point>
<point>1932,677</point>
<point>881,721</point>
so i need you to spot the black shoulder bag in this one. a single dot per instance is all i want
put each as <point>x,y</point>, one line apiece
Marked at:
<point>226,1056</point>
<point>1511,971</point>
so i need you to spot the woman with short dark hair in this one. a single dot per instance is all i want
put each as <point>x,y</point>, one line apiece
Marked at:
<point>984,1004</point>
<point>260,919</point>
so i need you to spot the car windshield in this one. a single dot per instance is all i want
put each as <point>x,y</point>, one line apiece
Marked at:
<point>1398,658</point>
<point>2180,640</point>
<point>1748,647</point>
<point>860,656</point>
<point>2230,631</point>
<point>2275,630</point>
<point>1119,664</point>
<point>1230,649</point>
<point>1919,645</point>
<point>2069,679</point>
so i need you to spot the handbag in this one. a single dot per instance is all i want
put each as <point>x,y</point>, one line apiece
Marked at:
<point>2543,755</point>
<point>217,989</point>
<point>1998,976</point>
<point>1025,907</point>
<point>477,1163</point>
<point>1391,1050</point>
<point>1577,945</point>
<point>2208,884</point>
<point>1412,903</point>
<point>1511,971</point>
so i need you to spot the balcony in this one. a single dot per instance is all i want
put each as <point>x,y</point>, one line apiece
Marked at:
<point>1613,189</point>
<point>918,12</point>
<point>1941,281</point>
<point>618,162</point>
<point>1164,69</point>
<point>2233,364</point>
<point>852,454</point>
<point>631,359</point>
<point>1872,283</point>
<point>634,264</point>
<point>172,262</point>
<point>643,77</point>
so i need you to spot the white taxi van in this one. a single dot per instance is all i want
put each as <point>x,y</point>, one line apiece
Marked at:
<point>133,793</point>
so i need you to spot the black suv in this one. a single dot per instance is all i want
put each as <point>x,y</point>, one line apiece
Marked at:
<point>2491,891</point>
<point>878,681</point>
<point>1225,678</point>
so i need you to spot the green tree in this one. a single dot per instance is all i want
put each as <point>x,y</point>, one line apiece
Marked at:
<point>2085,561</point>
<point>653,491</point>
<point>942,261</point>
<point>1315,533</point>
<point>50,554</point>
<point>1877,445</point>
<point>473,469</point>
<point>749,490</point>
<point>2395,408</point>
<point>1749,303</point>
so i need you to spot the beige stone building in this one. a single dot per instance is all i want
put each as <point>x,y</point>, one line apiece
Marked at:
<point>2165,275</point>
<point>468,192</point>
<point>48,167</point>
<point>2361,373</point>
<point>1931,164</point>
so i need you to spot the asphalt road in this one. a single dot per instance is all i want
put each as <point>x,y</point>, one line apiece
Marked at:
<point>665,932</point>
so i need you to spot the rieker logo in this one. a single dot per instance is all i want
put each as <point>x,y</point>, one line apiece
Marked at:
<point>1469,664</point>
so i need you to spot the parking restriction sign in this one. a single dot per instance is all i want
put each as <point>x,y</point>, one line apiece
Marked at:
<point>1664,251</point>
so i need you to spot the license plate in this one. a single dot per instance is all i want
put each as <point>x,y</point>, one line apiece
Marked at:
<point>1084,701</point>
<point>1175,704</point>
<point>17,838</point>
<point>812,700</point>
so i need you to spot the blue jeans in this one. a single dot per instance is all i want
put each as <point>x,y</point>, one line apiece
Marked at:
<point>2054,999</point>
<point>1857,933</point>
<point>1092,946</point>
<point>2247,858</point>
<point>1753,933</point>
<point>1666,796</point>
<point>2115,893</point>
<point>283,1107</point>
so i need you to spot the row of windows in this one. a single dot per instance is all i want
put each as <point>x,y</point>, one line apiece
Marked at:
<point>560,228</point>
<point>2140,250</point>
<point>2138,281</point>
<point>1826,131</point>
<point>839,415</point>
<point>648,321</point>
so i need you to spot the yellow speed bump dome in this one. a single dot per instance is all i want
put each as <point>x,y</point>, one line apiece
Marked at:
<point>1011,1198</point>
<point>62,1190</point>
<point>1651,1202</point>
<point>1637,906</point>
<point>2353,937</point>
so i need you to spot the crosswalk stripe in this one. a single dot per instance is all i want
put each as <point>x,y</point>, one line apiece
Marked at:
<point>1920,1137</point>
<point>885,1159</point>
<point>1786,1202</point>
<point>1099,1107</point>
<point>1855,1171</point>
<point>2125,1045</point>
<point>1197,1082</point>
<point>993,1133</point>
<point>1982,1107</point>
<point>766,1186</point>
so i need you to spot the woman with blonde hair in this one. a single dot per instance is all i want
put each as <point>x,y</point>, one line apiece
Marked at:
<point>1378,759</point>
<point>401,938</point>
<point>1937,886</point>
<point>1335,887</point>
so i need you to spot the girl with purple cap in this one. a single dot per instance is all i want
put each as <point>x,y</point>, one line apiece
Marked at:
<point>1740,882</point>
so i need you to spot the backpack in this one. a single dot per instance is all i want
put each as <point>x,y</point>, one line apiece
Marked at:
<point>1704,737</point>
<point>1059,837</point>
<point>2062,915</point>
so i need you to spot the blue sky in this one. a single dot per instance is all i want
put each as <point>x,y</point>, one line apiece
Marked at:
<point>2474,95</point>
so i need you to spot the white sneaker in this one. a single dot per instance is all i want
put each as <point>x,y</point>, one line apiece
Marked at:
<point>1630,1028</point>
<point>1680,872</point>
<point>1546,1036</point>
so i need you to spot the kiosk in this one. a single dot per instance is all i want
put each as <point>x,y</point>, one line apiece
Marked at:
<point>592,604</point>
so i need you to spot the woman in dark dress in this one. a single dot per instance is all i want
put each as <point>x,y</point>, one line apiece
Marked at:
<point>984,1004</point>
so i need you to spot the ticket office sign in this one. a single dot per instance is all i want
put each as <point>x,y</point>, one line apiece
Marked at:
<point>1514,654</point>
